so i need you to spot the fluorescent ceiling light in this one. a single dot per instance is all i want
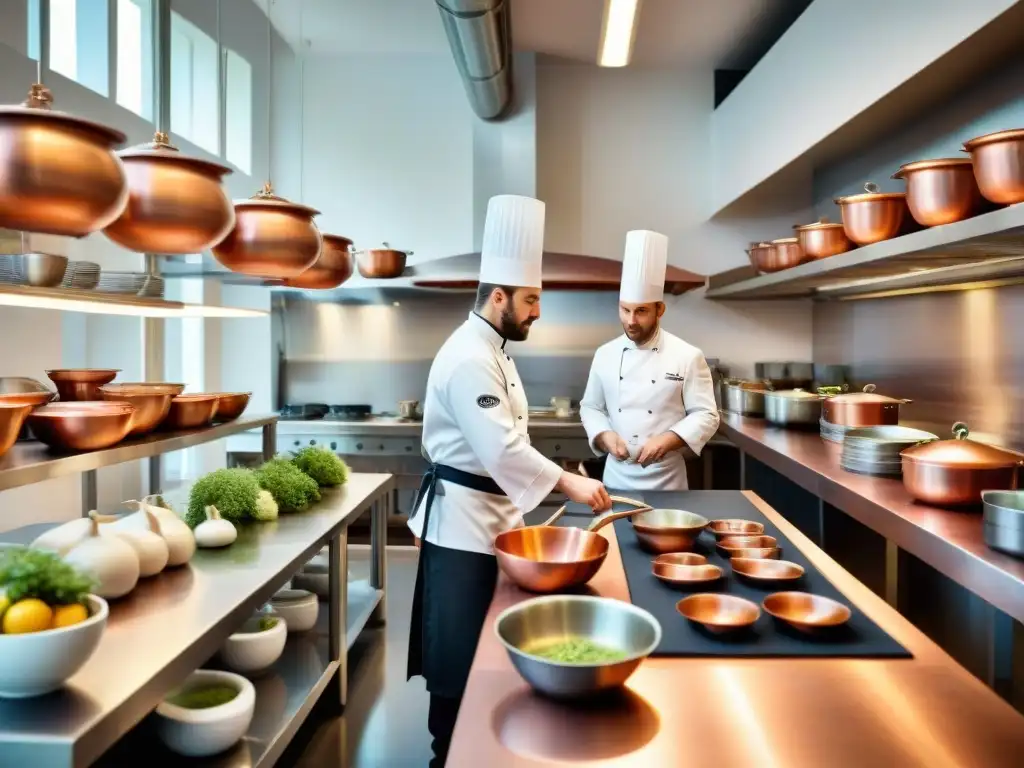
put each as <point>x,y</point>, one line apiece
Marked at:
<point>618,31</point>
<point>71,300</point>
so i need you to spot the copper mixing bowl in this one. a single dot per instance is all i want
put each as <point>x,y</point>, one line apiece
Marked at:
<point>332,268</point>
<point>735,527</point>
<point>12,417</point>
<point>765,570</point>
<point>77,384</point>
<point>668,530</point>
<point>805,611</point>
<point>191,411</point>
<point>872,216</point>
<point>940,191</point>
<point>152,402</point>
<point>84,426</point>
<point>231,405</point>
<point>999,165</point>
<point>730,544</point>
<point>718,612</point>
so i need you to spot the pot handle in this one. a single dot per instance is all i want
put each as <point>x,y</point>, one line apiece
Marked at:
<point>611,517</point>
<point>869,388</point>
<point>871,188</point>
<point>554,518</point>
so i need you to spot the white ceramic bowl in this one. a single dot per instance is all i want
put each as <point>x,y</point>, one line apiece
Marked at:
<point>39,662</point>
<point>250,650</point>
<point>313,578</point>
<point>203,732</point>
<point>297,607</point>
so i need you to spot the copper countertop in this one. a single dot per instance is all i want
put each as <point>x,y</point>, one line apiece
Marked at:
<point>949,541</point>
<point>739,713</point>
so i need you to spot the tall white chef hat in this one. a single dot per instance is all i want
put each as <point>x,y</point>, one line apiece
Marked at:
<point>643,267</point>
<point>513,242</point>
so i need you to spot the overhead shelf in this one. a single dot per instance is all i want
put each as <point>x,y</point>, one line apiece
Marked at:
<point>981,251</point>
<point>103,303</point>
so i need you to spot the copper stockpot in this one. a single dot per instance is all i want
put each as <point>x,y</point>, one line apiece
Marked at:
<point>83,426</point>
<point>272,238</point>
<point>332,268</point>
<point>152,402</point>
<point>191,411</point>
<point>999,165</point>
<point>822,239</point>
<point>76,384</point>
<point>872,216</point>
<point>12,417</point>
<point>940,191</point>
<point>231,405</point>
<point>953,473</point>
<point>382,263</point>
<point>860,409</point>
<point>58,173</point>
<point>176,203</point>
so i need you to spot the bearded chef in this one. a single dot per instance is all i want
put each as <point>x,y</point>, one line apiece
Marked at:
<point>650,401</point>
<point>483,473</point>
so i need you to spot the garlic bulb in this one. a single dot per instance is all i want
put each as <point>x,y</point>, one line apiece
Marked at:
<point>147,542</point>
<point>62,538</point>
<point>181,543</point>
<point>108,559</point>
<point>215,531</point>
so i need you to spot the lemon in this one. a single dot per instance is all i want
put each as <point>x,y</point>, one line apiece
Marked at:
<point>5,603</point>
<point>31,615</point>
<point>69,615</point>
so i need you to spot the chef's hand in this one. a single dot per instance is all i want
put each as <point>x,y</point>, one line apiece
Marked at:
<point>584,490</point>
<point>656,448</point>
<point>613,444</point>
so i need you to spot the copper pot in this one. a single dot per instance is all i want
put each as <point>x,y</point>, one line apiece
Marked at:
<point>999,165</point>
<point>860,409</point>
<point>873,216</point>
<point>332,268</point>
<point>940,191</point>
<point>83,426</point>
<point>191,411</point>
<point>786,253</point>
<point>272,237</point>
<point>382,263</point>
<point>58,173</point>
<point>152,402</point>
<point>760,256</point>
<point>953,473</point>
<point>231,405</point>
<point>81,383</point>
<point>822,239</point>
<point>12,417</point>
<point>176,203</point>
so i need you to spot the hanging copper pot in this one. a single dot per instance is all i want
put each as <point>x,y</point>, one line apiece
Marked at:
<point>58,173</point>
<point>384,263</point>
<point>332,269</point>
<point>272,237</point>
<point>176,203</point>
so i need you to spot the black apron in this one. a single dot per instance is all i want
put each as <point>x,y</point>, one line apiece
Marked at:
<point>453,593</point>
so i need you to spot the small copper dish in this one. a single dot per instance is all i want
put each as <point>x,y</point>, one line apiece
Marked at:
<point>719,613</point>
<point>683,574</point>
<point>806,612</point>
<point>766,570</point>
<point>735,527</point>
<point>87,426</point>
<point>730,544</point>
<point>76,384</point>
<point>680,558</point>
<point>191,411</point>
<point>231,405</point>
<point>753,553</point>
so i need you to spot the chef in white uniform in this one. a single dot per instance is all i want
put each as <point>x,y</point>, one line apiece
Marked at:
<point>650,401</point>
<point>484,474</point>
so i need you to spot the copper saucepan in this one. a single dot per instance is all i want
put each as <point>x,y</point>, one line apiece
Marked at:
<point>546,558</point>
<point>382,263</point>
<point>859,409</point>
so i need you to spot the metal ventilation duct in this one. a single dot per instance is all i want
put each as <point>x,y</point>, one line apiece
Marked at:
<point>480,36</point>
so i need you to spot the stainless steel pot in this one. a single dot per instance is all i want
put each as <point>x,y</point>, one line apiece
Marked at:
<point>1004,521</point>
<point>744,397</point>
<point>792,408</point>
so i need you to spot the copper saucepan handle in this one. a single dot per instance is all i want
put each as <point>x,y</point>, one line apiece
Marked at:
<point>611,517</point>
<point>607,517</point>
<point>554,518</point>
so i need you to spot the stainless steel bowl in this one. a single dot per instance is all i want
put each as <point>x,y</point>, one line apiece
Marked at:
<point>43,270</point>
<point>1004,521</point>
<point>544,620</point>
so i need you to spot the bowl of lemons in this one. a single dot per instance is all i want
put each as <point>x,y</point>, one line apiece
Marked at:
<point>49,622</point>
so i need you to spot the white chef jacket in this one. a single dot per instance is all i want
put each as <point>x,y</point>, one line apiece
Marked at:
<point>475,418</point>
<point>642,391</point>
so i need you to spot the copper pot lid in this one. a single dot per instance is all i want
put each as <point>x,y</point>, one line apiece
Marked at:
<point>1015,134</point>
<point>867,395</point>
<point>785,241</point>
<point>38,106</point>
<point>961,453</point>
<point>160,148</point>
<point>870,194</point>
<point>822,223</point>
<point>266,198</point>
<point>339,242</point>
<point>928,165</point>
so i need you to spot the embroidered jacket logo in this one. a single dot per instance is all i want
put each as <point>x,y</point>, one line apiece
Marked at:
<point>487,401</point>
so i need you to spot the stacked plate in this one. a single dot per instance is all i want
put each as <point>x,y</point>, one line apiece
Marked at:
<point>84,275</point>
<point>9,270</point>
<point>134,283</point>
<point>833,432</point>
<point>876,450</point>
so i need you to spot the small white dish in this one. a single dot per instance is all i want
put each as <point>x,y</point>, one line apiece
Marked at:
<point>208,731</point>
<point>298,607</point>
<point>252,650</point>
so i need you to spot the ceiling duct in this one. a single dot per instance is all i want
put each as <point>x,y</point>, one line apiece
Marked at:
<point>479,33</point>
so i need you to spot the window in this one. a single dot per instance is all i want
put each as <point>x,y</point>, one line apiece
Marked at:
<point>135,56</point>
<point>78,41</point>
<point>194,92</point>
<point>238,111</point>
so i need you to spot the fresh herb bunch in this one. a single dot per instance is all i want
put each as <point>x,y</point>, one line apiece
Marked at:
<point>266,508</point>
<point>266,623</point>
<point>234,492</point>
<point>323,465</point>
<point>292,489</point>
<point>41,574</point>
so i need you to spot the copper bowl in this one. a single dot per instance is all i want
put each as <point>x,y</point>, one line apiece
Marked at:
<point>998,160</point>
<point>77,384</point>
<point>191,411</point>
<point>668,530</point>
<point>873,216</point>
<point>681,558</point>
<point>176,203</point>
<point>668,570</point>
<point>84,426</point>
<point>805,611</point>
<point>34,399</point>
<point>717,612</point>
<point>12,417</point>
<point>822,239</point>
<point>382,263</point>
<point>862,409</point>
<point>272,238</point>
<point>766,571</point>
<point>750,553</point>
<point>940,191</point>
<point>58,172</point>
<point>332,268</point>
<point>152,402</point>
<point>735,527</point>
<point>731,544</point>
<point>231,405</point>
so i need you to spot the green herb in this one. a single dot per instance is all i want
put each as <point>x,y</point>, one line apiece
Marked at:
<point>323,465</point>
<point>234,492</point>
<point>578,651</point>
<point>292,489</point>
<point>267,622</point>
<point>266,507</point>
<point>204,697</point>
<point>41,574</point>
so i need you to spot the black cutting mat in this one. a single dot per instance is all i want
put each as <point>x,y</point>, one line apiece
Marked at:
<point>860,637</point>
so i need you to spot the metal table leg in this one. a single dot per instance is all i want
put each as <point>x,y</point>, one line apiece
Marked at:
<point>892,567</point>
<point>155,474</point>
<point>337,571</point>
<point>379,553</point>
<point>269,440</point>
<point>89,500</point>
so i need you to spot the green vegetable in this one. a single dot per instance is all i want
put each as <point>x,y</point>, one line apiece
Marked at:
<point>292,489</point>
<point>267,622</point>
<point>266,507</point>
<point>323,465</point>
<point>234,492</point>
<point>41,574</point>
<point>578,651</point>
<point>204,697</point>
